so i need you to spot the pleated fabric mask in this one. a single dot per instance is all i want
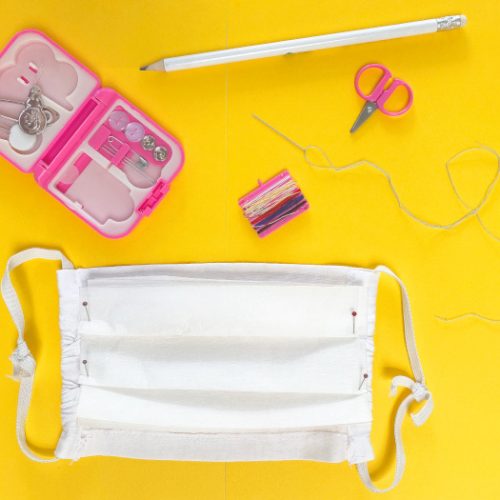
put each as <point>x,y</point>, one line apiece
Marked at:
<point>217,362</point>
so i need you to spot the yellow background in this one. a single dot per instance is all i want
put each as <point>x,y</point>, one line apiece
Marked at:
<point>353,220</point>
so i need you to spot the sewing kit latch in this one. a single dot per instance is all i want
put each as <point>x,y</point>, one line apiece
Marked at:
<point>156,195</point>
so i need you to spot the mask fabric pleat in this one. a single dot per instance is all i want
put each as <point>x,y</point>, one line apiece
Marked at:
<point>210,308</point>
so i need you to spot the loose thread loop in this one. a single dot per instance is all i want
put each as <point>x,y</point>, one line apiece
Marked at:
<point>472,212</point>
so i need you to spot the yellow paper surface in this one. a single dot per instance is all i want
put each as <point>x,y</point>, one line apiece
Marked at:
<point>353,220</point>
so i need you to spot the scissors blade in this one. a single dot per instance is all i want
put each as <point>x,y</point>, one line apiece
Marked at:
<point>368,109</point>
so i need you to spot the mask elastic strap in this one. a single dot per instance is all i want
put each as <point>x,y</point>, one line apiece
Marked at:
<point>419,392</point>
<point>22,359</point>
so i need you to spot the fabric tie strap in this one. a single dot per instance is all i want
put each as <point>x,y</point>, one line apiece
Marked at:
<point>419,393</point>
<point>22,360</point>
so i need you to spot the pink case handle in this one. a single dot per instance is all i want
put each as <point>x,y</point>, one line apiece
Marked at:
<point>379,94</point>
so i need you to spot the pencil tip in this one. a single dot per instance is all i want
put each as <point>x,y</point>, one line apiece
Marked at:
<point>156,66</point>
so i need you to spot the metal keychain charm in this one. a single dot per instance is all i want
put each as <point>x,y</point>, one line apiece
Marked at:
<point>36,117</point>
<point>32,119</point>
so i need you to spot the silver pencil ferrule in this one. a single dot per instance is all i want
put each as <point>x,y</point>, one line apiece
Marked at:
<point>451,22</point>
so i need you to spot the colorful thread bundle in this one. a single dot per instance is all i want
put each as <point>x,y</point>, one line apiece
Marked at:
<point>273,204</point>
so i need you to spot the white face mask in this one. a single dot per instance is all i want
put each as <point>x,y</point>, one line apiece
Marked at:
<point>216,362</point>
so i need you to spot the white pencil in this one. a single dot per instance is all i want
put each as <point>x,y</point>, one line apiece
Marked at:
<point>307,44</point>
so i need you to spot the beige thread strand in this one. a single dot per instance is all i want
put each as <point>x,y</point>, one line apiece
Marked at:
<point>472,212</point>
<point>467,315</point>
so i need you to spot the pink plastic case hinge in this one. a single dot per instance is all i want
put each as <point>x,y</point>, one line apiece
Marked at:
<point>148,205</point>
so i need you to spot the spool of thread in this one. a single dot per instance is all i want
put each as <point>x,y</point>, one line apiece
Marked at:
<point>273,204</point>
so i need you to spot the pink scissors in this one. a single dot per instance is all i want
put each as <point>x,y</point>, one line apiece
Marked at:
<point>377,98</point>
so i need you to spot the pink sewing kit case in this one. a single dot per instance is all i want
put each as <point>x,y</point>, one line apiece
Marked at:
<point>86,145</point>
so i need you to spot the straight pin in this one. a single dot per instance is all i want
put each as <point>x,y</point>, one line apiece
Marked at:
<point>138,164</point>
<point>365,376</point>
<point>85,305</point>
<point>354,314</point>
<point>85,364</point>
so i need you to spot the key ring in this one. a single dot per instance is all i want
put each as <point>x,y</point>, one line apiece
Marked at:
<point>35,117</point>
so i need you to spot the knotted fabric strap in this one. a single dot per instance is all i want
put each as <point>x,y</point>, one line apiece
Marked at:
<point>22,359</point>
<point>418,392</point>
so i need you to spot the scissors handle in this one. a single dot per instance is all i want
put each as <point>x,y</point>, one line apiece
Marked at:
<point>380,94</point>
<point>379,87</point>
<point>388,92</point>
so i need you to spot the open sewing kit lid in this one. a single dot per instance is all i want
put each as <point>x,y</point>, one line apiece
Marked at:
<point>31,59</point>
<point>87,146</point>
